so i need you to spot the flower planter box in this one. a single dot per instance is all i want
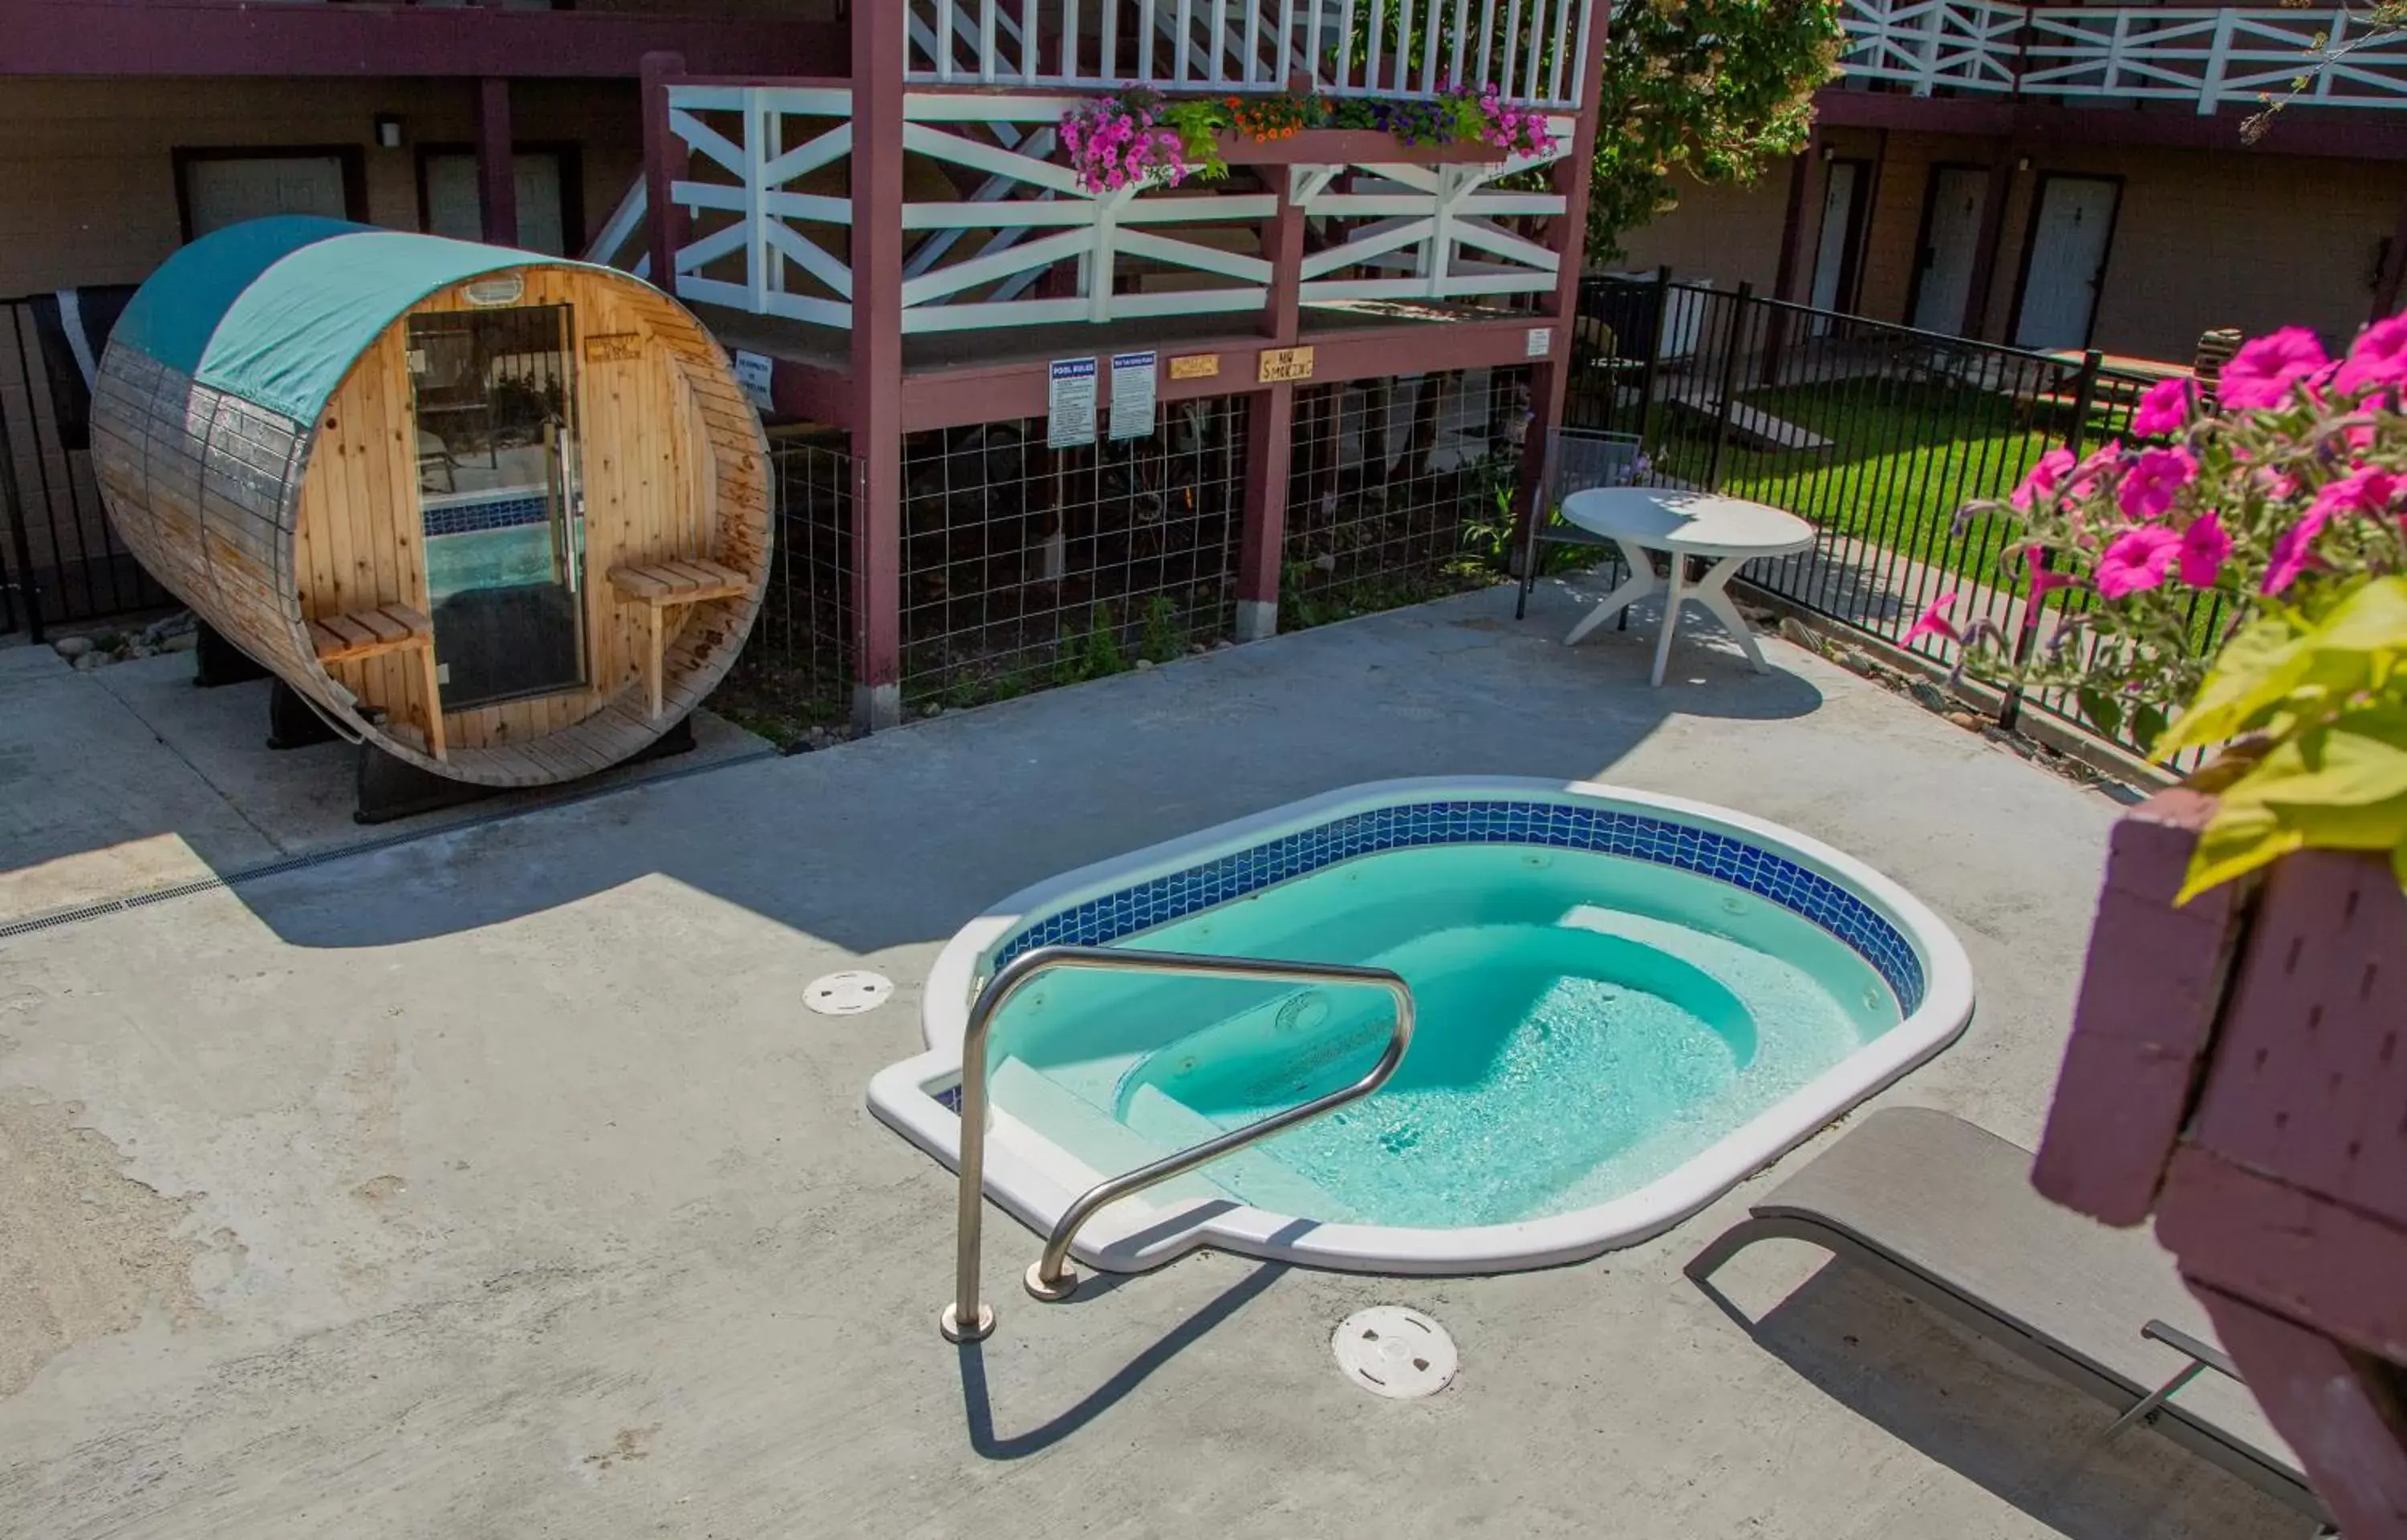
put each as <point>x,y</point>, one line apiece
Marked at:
<point>1349,147</point>
<point>2237,1069</point>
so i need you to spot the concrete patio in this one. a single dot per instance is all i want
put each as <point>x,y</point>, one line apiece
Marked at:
<point>496,1183</point>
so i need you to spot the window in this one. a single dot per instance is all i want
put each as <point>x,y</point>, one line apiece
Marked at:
<point>216,188</point>
<point>550,215</point>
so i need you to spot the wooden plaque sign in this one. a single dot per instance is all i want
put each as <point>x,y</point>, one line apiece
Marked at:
<point>614,347</point>
<point>1284,363</point>
<point>1196,366</point>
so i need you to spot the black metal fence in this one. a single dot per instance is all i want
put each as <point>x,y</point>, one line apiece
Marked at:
<point>1878,434</point>
<point>59,561</point>
<point>1025,566</point>
<point>796,671</point>
<point>1399,490</point>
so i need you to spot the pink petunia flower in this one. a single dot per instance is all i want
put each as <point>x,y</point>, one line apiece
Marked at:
<point>1934,622</point>
<point>2137,559</point>
<point>2044,479</point>
<point>2043,582</point>
<point>2378,358</point>
<point>2148,491</point>
<point>2103,463</point>
<point>2206,547</point>
<point>2263,373</point>
<point>2164,410</point>
<point>2293,549</point>
<point>2363,490</point>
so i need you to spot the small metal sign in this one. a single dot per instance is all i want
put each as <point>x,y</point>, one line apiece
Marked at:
<point>1070,404</point>
<point>1195,366</point>
<point>1284,363</point>
<point>506,288</point>
<point>1132,394</point>
<point>614,346</point>
<point>754,372</point>
<point>1542,341</point>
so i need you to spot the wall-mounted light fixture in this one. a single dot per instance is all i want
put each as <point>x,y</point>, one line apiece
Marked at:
<point>1829,153</point>
<point>388,131</point>
<point>2023,164</point>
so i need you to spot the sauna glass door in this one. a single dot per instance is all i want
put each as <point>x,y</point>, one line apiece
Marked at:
<point>497,492</point>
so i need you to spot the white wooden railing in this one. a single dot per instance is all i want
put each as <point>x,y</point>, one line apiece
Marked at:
<point>769,230</point>
<point>2209,58</point>
<point>1529,49</point>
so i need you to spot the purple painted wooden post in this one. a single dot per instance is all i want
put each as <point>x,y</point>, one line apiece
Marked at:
<point>664,156</point>
<point>1551,378</point>
<point>1270,426</point>
<point>878,63</point>
<point>497,169</point>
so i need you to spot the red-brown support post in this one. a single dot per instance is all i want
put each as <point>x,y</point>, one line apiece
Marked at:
<point>497,163</point>
<point>1270,426</point>
<point>878,38</point>
<point>663,155</point>
<point>1551,376</point>
<point>2005,155</point>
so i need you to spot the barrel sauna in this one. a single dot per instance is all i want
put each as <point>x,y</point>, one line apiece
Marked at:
<point>504,517</point>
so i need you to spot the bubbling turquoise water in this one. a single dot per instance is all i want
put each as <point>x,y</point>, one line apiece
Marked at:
<point>1586,1023</point>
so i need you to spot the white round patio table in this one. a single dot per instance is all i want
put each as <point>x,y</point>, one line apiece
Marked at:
<point>1728,531</point>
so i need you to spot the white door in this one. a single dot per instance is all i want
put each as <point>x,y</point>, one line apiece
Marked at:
<point>2068,263</point>
<point>453,209</point>
<point>1839,193</point>
<point>223,189</point>
<point>1950,249</point>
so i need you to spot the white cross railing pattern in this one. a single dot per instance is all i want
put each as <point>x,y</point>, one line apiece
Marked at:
<point>1529,49</point>
<point>2210,58</point>
<point>770,230</point>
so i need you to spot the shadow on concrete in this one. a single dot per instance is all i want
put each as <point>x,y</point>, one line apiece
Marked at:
<point>901,837</point>
<point>2027,1437</point>
<point>979,1412</point>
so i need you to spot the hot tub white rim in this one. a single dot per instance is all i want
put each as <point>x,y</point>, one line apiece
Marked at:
<point>1137,1233</point>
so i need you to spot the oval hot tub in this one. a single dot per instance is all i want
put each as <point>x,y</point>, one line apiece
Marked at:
<point>1626,1003</point>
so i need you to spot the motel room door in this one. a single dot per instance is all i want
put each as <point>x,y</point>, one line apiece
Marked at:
<point>1951,239</point>
<point>1844,198</point>
<point>2067,261</point>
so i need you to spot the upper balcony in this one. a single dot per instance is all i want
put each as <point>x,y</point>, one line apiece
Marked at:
<point>2206,59</point>
<point>1528,49</point>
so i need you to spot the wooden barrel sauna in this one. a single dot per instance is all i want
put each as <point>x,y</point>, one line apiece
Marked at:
<point>504,517</point>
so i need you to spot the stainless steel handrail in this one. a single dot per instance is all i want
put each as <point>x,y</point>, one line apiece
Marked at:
<point>969,1320</point>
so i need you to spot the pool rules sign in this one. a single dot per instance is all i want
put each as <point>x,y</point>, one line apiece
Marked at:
<point>1070,404</point>
<point>1132,393</point>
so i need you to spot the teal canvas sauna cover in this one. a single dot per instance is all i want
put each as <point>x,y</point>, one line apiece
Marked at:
<point>275,311</point>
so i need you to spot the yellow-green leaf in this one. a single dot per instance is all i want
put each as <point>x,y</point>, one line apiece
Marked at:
<point>2342,787</point>
<point>2256,669</point>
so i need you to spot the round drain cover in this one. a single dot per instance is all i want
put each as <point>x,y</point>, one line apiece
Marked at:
<point>1391,1351</point>
<point>847,994</point>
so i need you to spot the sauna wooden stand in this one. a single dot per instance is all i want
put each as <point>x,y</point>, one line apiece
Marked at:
<point>387,789</point>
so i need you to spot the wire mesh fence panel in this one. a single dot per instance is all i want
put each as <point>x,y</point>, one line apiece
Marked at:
<point>64,564</point>
<point>1899,446</point>
<point>796,671</point>
<point>1025,566</point>
<point>1399,489</point>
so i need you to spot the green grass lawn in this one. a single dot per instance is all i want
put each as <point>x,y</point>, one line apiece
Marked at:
<point>1904,456</point>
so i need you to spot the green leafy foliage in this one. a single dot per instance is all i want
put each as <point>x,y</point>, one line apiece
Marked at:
<point>1715,89</point>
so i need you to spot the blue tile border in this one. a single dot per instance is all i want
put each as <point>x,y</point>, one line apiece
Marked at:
<point>1491,822</point>
<point>502,511</point>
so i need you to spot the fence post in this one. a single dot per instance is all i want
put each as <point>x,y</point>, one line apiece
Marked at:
<point>1730,384</point>
<point>2084,396</point>
<point>1654,353</point>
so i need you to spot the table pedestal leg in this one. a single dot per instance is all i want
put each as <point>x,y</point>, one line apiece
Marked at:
<point>1640,583</point>
<point>1713,594</point>
<point>1671,597</point>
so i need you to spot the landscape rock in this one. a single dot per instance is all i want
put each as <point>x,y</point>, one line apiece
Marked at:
<point>72,647</point>
<point>181,641</point>
<point>87,662</point>
<point>932,709</point>
<point>1856,660</point>
<point>1798,633</point>
<point>1144,663</point>
<point>1927,695</point>
<point>1965,720</point>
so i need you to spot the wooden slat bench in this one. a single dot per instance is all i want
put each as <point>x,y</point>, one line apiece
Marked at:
<point>663,585</point>
<point>372,633</point>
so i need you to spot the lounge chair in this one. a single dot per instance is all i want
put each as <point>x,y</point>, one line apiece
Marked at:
<point>1945,1212</point>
